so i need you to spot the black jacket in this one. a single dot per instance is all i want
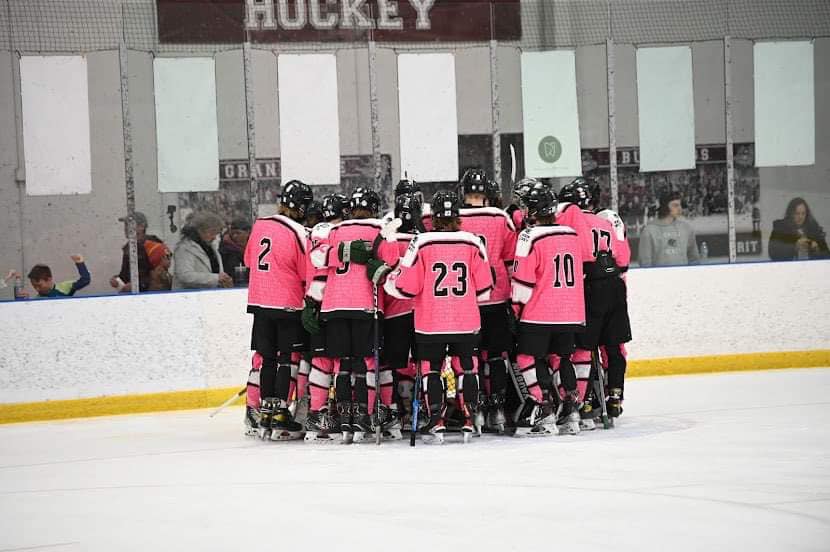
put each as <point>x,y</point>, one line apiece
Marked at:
<point>785,234</point>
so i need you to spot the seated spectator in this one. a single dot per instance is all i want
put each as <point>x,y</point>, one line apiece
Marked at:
<point>41,279</point>
<point>797,236</point>
<point>668,240</point>
<point>159,257</point>
<point>196,260</point>
<point>125,285</point>
<point>233,244</point>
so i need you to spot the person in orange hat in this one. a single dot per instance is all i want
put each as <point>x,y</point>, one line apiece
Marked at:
<point>159,258</point>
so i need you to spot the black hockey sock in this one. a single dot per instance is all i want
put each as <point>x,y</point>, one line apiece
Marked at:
<point>498,375</point>
<point>435,392</point>
<point>282,384</point>
<point>616,366</point>
<point>361,390</point>
<point>567,374</point>
<point>343,387</point>
<point>470,389</point>
<point>543,375</point>
<point>268,377</point>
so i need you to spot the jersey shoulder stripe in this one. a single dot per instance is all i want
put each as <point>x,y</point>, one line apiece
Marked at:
<point>530,236</point>
<point>493,212</point>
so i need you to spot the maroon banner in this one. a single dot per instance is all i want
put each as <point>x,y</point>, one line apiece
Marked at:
<point>273,21</point>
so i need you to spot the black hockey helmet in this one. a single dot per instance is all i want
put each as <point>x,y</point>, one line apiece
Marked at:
<point>406,186</point>
<point>408,208</point>
<point>474,181</point>
<point>540,201</point>
<point>314,210</point>
<point>445,204</point>
<point>522,188</point>
<point>580,191</point>
<point>493,192</point>
<point>365,198</point>
<point>335,206</point>
<point>297,195</point>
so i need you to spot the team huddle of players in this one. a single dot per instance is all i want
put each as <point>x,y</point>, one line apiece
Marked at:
<point>493,319</point>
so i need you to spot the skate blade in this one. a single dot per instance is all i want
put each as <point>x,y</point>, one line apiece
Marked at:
<point>321,438</point>
<point>251,431</point>
<point>285,435</point>
<point>264,434</point>
<point>392,435</point>
<point>522,432</point>
<point>467,436</point>
<point>358,436</point>
<point>587,425</point>
<point>433,439</point>
<point>346,437</point>
<point>570,428</point>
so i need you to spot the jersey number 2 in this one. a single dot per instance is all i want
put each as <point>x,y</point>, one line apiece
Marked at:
<point>265,244</point>
<point>439,290</point>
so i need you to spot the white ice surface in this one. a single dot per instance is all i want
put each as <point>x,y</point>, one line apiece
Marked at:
<point>715,462</point>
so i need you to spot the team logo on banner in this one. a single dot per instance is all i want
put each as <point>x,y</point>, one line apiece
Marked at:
<point>550,149</point>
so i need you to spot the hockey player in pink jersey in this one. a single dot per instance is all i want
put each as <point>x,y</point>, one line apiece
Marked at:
<point>613,356</point>
<point>496,229</point>
<point>548,297</point>
<point>321,424</point>
<point>398,321</point>
<point>605,294</point>
<point>275,256</point>
<point>446,273</point>
<point>347,309</point>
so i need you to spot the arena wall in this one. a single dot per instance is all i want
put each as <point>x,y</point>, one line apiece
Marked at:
<point>106,355</point>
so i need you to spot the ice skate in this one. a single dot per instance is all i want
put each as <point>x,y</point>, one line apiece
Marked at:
<point>344,412</point>
<point>283,426</point>
<point>251,421</point>
<point>614,403</point>
<point>319,428</point>
<point>390,423</point>
<point>468,427</point>
<point>586,417</point>
<point>266,417</point>
<point>535,424</point>
<point>495,414</point>
<point>567,421</point>
<point>361,422</point>
<point>433,432</point>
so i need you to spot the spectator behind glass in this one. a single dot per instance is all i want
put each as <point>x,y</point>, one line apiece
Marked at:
<point>159,258</point>
<point>196,260</point>
<point>233,244</point>
<point>668,240</point>
<point>41,279</point>
<point>144,267</point>
<point>797,236</point>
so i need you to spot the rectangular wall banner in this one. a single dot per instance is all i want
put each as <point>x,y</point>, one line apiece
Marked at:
<point>550,114</point>
<point>785,116</point>
<point>56,125</point>
<point>309,124</point>
<point>187,136</point>
<point>665,100</point>
<point>428,120</point>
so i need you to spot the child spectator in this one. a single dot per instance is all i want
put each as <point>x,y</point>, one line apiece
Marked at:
<point>41,279</point>
<point>158,257</point>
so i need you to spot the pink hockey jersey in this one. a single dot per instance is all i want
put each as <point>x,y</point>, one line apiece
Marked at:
<point>619,241</point>
<point>495,227</point>
<point>391,252</point>
<point>348,293</point>
<point>595,233</point>
<point>276,260</point>
<point>547,278</point>
<point>446,273</point>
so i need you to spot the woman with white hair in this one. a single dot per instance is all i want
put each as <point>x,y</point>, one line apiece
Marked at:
<point>196,260</point>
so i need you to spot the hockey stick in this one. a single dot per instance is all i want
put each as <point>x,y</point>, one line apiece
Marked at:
<point>228,402</point>
<point>599,389</point>
<point>377,364</point>
<point>416,403</point>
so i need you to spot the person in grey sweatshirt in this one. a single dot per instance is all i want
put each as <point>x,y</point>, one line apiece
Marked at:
<point>668,240</point>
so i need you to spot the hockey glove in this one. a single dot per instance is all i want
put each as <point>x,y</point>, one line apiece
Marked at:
<point>376,270</point>
<point>311,316</point>
<point>355,251</point>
